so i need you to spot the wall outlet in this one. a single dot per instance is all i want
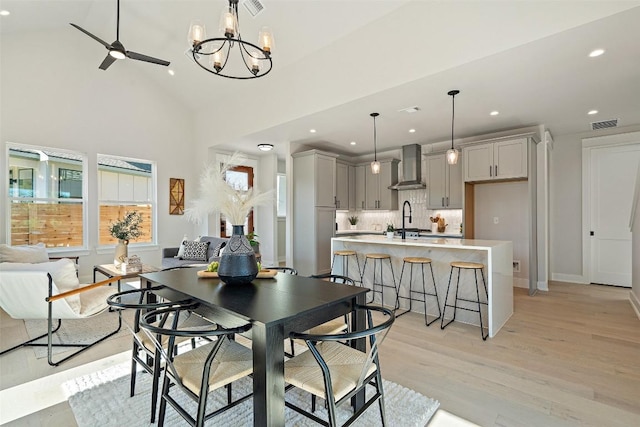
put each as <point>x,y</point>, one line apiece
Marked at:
<point>496,220</point>
<point>516,266</point>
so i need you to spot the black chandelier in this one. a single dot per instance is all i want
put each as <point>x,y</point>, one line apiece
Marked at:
<point>213,54</point>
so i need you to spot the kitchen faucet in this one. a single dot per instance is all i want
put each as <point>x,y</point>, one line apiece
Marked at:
<point>406,203</point>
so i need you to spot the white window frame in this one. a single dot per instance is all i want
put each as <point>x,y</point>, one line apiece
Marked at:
<point>101,248</point>
<point>84,200</point>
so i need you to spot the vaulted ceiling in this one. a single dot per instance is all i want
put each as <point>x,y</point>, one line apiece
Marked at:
<point>337,61</point>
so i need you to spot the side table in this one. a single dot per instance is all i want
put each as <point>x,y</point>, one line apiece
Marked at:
<point>110,270</point>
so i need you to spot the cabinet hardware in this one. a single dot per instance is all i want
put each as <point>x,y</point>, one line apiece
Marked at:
<point>443,201</point>
<point>496,171</point>
<point>447,200</point>
<point>490,171</point>
<point>591,233</point>
<point>363,204</point>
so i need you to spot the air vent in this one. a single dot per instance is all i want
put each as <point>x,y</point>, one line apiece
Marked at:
<point>255,7</point>
<point>605,124</point>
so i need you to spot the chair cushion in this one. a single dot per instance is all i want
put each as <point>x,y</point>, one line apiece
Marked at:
<point>63,273</point>
<point>232,362</point>
<point>196,251</point>
<point>30,254</point>
<point>345,365</point>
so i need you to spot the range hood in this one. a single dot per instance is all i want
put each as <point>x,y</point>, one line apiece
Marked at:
<point>411,169</point>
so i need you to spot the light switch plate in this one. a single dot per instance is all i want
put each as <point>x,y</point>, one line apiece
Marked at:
<point>496,220</point>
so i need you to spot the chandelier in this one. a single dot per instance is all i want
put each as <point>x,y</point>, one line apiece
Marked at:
<point>375,165</point>
<point>452,153</point>
<point>227,55</point>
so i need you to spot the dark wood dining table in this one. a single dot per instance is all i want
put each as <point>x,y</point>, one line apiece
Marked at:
<point>275,307</point>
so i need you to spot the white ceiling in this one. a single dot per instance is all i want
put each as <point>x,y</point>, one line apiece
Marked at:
<point>533,68</point>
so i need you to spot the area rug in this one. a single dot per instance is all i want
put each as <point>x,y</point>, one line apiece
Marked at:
<point>102,398</point>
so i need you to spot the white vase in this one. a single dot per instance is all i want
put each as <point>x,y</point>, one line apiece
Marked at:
<point>434,227</point>
<point>122,252</point>
<point>390,234</point>
<point>353,226</point>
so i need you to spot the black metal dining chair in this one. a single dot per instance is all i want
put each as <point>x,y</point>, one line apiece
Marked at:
<point>287,270</point>
<point>202,370</point>
<point>334,371</point>
<point>144,352</point>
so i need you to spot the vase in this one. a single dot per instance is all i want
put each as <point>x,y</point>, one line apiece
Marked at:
<point>353,227</point>
<point>434,227</point>
<point>122,252</point>
<point>238,261</point>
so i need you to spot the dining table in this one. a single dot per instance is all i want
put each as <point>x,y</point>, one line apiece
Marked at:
<point>275,307</point>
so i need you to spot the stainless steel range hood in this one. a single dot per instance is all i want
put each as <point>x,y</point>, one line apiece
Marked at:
<point>411,169</point>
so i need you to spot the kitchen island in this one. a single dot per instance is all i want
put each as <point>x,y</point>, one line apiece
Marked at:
<point>496,255</point>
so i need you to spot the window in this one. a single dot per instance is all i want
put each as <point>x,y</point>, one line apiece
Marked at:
<point>126,185</point>
<point>44,206</point>
<point>240,178</point>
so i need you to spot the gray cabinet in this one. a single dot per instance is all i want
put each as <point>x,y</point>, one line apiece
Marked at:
<point>345,186</point>
<point>444,183</point>
<point>377,195</point>
<point>360,193</point>
<point>495,160</point>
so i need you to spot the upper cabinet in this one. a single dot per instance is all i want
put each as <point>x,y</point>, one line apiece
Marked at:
<point>444,183</point>
<point>377,195</point>
<point>495,160</point>
<point>360,194</point>
<point>315,177</point>
<point>345,186</point>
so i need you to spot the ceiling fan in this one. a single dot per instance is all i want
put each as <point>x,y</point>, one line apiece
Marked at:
<point>116,49</point>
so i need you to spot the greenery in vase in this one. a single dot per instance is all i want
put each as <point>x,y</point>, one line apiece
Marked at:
<point>128,228</point>
<point>390,228</point>
<point>353,220</point>
<point>253,239</point>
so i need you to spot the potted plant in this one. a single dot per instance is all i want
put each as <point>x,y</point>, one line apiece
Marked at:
<point>353,221</point>
<point>128,228</point>
<point>391,231</point>
<point>253,241</point>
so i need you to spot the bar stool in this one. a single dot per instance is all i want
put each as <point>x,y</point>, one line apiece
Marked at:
<point>378,260</point>
<point>345,254</point>
<point>422,262</point>
<point>462,265</point>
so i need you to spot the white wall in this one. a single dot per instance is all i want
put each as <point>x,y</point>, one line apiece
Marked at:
<point>565,220</point>
<point>635,250</point>
<point>54,95</point>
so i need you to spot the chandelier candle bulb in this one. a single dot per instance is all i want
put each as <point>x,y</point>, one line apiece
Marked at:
<point>196,33</point>
<point>228,24</point>
<point>266,39</point>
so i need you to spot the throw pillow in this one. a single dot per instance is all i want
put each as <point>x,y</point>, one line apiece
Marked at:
<point>218,249</point>
<point>196,251</point>
<point>181,248</point>
<point>27,254</point>
<point>63,273</point>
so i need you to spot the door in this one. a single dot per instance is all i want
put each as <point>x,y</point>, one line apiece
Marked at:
<point>478,162</point>
<point>240,177</point>
<point>613,172</point>
<point>436,180</point>
<point>360,186</point>
<point>371,187</point>
<point>454,185</point>
<point>510,159</point>
<point>325,181</point>
<point>342,186</point>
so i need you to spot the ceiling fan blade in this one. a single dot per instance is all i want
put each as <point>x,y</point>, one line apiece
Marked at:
<point>99,40</point>
<point>145,58</point>
<point>107,62</point>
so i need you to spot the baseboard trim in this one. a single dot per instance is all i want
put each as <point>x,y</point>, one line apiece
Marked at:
<point>635,303</point>
<point>573,278</point>
<point>520,282</point>
<point>543,285</point>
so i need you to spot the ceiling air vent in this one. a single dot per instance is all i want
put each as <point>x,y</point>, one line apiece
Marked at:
<point>253,6</point>
<point>605,124</point>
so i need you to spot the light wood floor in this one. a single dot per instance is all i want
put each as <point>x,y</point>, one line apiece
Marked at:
<point>567,357</point>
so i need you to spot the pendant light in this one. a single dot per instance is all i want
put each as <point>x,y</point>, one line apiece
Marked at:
<point>452,153</point>
<point>375,165</point>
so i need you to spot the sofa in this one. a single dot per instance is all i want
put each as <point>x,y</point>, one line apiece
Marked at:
<point>170,258</point>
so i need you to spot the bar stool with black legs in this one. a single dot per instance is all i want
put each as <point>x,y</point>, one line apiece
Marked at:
<point>378,261</point>
<point>420,296</point>
<point>462,265</point>
<point>345,254</point>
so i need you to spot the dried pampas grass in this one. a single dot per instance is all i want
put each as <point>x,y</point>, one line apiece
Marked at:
<point>217,195</point>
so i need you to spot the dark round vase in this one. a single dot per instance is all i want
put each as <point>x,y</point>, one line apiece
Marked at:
<point>238,261</point>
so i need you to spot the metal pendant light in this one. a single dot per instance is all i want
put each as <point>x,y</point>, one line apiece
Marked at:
<point>452,153</point>
<point>375,165</point>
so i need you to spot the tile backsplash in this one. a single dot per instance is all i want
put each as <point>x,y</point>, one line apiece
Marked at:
<point>378,220</point>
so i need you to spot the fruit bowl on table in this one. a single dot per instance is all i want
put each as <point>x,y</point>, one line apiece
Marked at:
<point>262,274</point>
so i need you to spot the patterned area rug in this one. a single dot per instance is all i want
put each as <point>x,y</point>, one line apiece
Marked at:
<point>102,398</point>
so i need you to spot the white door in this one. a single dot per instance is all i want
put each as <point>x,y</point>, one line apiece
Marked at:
<point>613,172</point>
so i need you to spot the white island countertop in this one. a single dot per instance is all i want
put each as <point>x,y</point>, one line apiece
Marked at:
<point>496,255</point>
<point>425,242</point>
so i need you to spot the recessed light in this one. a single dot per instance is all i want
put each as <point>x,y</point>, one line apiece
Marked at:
<point>494,113</point>
<point>353,143</point>
<point>312,130</point>
<point>171,72</point>
<point>592,112</point>
<point>265,147</point>
<point>4,13</point>
<point>410,109</point>
<point>412,131</point>
<point>596,52</point>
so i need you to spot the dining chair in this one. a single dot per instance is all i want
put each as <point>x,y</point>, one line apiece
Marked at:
<point>202,370</point>
<point>35,295</point>
<point>334,371</point>
<point>287,270</point>
<point>144,351</point>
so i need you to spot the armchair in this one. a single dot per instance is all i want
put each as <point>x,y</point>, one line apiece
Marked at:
<point>35,295</point>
